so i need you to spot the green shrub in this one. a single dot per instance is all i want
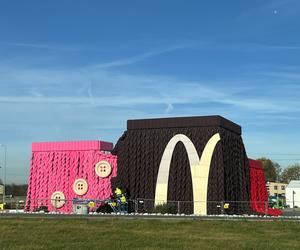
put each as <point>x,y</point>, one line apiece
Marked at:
<point>165,208</point>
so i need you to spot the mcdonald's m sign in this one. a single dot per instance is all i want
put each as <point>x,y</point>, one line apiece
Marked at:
<point>199,170</point>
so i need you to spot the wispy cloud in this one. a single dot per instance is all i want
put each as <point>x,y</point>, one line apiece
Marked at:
<point>143,56</point>
<point>261,46</point>
<point>95,87</point>
<point>288,75</point>
<point>46,46</point>
<point>115,63</point>
<point>90,102</point>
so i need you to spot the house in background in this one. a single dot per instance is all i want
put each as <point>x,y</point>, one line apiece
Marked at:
<point>276,189</point>
<point>293,194</point>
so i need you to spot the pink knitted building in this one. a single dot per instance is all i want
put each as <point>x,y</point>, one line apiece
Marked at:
<point>62,171</point>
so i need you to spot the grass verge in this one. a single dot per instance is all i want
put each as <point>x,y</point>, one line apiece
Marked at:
<point>29,233</point>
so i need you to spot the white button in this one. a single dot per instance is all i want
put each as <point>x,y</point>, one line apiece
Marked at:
<point>58,199</point>
<point>103,169</point>
<point>80,187</point>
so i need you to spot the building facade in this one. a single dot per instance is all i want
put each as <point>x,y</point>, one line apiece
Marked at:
<point>63,171</point>
<point>197,160</point>
<point>276,188</point>
<point>293,194</point>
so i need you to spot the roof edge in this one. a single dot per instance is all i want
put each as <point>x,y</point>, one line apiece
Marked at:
<point>178,122</point>
<point>72,146</point>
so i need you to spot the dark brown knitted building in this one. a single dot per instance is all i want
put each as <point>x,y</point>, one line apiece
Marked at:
<point>198,160</point>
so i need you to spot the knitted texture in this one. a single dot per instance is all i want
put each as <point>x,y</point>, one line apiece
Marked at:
<point>140,152</point>
<point>259,194</point>
<point>56,169</point>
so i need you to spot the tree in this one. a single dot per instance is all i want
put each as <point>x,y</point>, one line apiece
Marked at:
<point>272,169</point>
<point>16,189</point>
<point>292,172</point>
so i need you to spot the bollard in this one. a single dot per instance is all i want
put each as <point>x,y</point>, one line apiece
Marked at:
<point>266,207</point>
<point>136,205</point>
<point>222,207</point>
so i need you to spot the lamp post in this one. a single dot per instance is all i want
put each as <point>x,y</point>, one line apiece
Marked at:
<point>4,170</point>
<point>294,199</point>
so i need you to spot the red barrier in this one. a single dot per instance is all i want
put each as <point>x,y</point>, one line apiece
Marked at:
<point>258,190</point>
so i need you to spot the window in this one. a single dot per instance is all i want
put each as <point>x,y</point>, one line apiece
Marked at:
<point>282,187</point>
<point>275,187</point>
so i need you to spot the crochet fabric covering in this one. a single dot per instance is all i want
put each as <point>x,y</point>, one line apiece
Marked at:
<point>140,150</point>
<point>56,165</point>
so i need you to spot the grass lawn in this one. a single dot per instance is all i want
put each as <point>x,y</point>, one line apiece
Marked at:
<point>30,233</point>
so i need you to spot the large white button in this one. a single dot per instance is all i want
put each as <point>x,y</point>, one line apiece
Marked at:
<point>103,169</point>
<point>58,199</point>
<point>80,187</point>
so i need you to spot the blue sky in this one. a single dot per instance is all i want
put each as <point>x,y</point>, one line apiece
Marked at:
<point>75,70</point>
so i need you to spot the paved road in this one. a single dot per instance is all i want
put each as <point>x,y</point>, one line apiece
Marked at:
<point>291,212</point>
<point>131,216</point>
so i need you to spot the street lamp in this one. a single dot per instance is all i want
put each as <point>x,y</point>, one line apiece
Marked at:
<point>4,170</point>
<point>294,199</point>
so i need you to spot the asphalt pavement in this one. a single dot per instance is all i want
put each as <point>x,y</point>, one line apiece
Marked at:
<point>289,216</point>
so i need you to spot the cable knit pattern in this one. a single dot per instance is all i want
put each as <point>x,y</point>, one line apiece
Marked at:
<point>259,193</point>
<point>140,151</point>
<point>52,168</point>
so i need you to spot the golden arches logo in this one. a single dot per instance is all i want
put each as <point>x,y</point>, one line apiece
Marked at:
<point>199,170</point>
